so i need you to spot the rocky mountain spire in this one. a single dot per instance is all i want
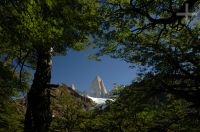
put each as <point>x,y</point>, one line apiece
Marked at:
<point>98,88</point>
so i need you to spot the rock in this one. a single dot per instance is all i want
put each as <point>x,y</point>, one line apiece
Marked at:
<point>98,88</point>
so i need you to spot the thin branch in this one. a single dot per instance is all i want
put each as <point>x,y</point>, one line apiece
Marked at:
<point>172,19</point>
<point>22,67</point>
<point>29,66</point>
<point>160,34</point>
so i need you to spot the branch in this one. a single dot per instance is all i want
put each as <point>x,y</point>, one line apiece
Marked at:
<point>21,60</point>
<point>160,34</point>
<point>29,66</point>
<point>172,19</point>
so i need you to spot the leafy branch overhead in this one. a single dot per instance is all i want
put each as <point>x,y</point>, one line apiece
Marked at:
<point>124,21</point>
<point>37,30</point>
<point>151,34</point>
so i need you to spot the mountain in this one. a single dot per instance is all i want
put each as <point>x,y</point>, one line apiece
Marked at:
<point>97,88</point>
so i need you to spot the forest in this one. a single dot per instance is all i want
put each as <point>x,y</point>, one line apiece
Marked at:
<point>159,37</point>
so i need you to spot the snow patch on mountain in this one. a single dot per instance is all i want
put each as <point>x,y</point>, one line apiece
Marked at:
<point>99,100</point>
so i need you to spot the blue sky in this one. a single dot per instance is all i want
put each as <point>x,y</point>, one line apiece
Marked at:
<point>76,68</point>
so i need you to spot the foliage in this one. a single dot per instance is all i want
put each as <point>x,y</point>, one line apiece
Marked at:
<point>130,34</point>
<point>142,108</point>
<point>117,89</point>
<point>151,35</point>
<point>37,30</point>
<point>69,110</point>
<point>50,23</point>
<point>11,117</point>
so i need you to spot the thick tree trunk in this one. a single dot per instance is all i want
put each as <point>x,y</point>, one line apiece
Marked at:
<point>38,114</point>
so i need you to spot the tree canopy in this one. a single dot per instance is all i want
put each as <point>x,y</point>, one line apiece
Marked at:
<point>152,35</point>
<point>34,31</point>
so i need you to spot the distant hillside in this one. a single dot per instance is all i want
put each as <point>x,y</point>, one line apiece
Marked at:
<point>69,109</point>
<point>64,89</point>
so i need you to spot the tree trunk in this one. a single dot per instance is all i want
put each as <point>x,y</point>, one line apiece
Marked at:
<point>38,115</point>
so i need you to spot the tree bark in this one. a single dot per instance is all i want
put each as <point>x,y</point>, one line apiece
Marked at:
<point>38,114</point>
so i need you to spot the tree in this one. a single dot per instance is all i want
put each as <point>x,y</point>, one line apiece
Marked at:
<point>70,110</point>
<point>140,107</point>
<point>38,27</point>
<point>67,109</point>
<point>151,34</point>
<point>11,85</point>
<point>116,90</point>
<point>11,116</point>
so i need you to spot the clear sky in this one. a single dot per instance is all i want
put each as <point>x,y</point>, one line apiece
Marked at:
<point>76,68</point>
